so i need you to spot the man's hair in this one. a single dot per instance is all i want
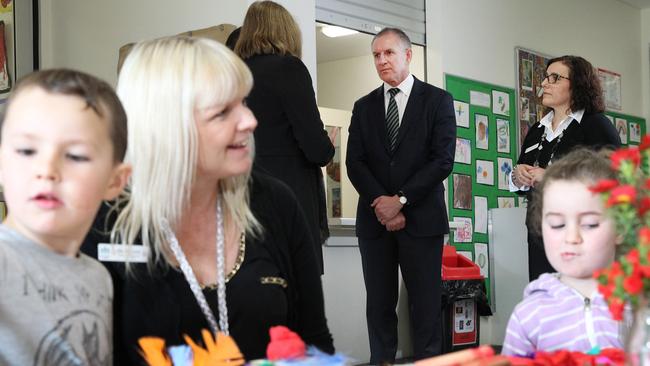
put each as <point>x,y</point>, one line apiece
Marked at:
<point>162,83</point>
<point>586,91</point>
<point>268,29</point>
<point>583,165</point>
<point>406,41</point>
<point>98,95</point>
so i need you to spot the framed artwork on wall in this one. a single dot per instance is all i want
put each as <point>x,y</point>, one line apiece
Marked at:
<point>18,42</point>
<point>611,84</point>
<point>333,174</point>
<point>7,63</point>
<point>530,72</point>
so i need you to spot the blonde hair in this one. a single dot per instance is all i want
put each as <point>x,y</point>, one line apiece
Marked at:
<point>161,84</point>
<point>268,29</point>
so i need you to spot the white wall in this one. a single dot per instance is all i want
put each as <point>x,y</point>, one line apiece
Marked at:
<point>342,82</point>
<point>476,39</point>
<point>86,34</point>
<point>471,38</point>
<point>645,63</point>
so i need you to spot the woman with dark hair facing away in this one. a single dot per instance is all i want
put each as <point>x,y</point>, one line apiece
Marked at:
<point>291,143</point>
<point>572,95</point>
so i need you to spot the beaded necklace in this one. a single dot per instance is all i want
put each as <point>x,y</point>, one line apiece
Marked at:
<point>557,142</point>
<point>190,277</point>
<point>541,146</point>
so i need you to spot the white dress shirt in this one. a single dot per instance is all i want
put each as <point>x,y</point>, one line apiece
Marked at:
<point>547,123</point>
<point>401,98</point>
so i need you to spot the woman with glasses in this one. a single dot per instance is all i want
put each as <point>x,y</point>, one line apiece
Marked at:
<point>572,95</point>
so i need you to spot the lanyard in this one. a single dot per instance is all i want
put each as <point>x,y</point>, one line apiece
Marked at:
<point>541,146</point>
<point>194,283</point>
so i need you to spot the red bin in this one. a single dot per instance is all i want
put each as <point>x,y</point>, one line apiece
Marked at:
<point>460,318</point>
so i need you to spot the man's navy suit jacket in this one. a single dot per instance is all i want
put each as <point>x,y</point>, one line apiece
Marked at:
<point>422,160</point>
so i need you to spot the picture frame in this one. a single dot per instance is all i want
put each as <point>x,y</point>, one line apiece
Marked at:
<point>485,172</point>
<point>21,49</point>
<point>500,103</point>
<point>463,154</point>
<point>529,73</point>
<point>333,174</point>
<point>462,191</point>
<point>7,66</point>
<point>611,84</point>
<point>503,136</point>
<point>461,111</point>
<point>482,126</point>
<point>504,167</point>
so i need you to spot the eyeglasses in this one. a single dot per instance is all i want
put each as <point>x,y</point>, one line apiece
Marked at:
<point>553,78</point>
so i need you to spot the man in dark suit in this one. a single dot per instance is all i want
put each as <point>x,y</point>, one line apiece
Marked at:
<point>400,150</point>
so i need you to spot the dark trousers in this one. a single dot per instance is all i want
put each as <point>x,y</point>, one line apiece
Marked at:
<point>537,262</point>
<point>420,261</point>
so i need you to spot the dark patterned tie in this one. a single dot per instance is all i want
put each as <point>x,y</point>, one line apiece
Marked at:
<point>392,119</point>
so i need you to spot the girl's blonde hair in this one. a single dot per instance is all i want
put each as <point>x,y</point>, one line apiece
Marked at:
<point>161,84</point>
<point>268,29</point>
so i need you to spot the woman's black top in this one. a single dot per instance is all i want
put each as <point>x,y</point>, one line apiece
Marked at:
<point>593,131</point>
<point>291,143</point>
<point>277,284</point>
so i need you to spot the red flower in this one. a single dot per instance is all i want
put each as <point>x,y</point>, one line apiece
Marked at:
<point>645,271</point>
<point>633,284</point>
<point>644,237</point>
<point>615,355</point>
<point>628,203</point>
<point>643,206</point>
<point>645,143</point>
<point>616,307</point>
<point>606,290</point>
<point>633,257</point>
<point>598,273</point>
<point>621,195</point>
<point>615,270</point>
<point>604,185</point>
<point>631,154</point>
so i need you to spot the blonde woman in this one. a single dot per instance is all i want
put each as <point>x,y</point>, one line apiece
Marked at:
<point>291,142</point>
<point>205,219</point>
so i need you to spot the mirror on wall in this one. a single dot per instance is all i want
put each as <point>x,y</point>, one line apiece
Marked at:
<point>345,73</point>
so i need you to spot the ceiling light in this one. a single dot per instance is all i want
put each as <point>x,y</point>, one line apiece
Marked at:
<point>333,31</point>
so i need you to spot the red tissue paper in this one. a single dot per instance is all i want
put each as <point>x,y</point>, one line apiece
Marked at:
<point>284,344</point>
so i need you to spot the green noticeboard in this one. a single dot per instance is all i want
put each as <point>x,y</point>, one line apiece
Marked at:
<point>486,149</point>
<point>629,128</point>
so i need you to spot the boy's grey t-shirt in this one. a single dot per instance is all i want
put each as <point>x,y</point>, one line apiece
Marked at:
<point>54,309</point>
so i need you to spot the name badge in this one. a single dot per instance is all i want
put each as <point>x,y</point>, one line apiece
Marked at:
<point>122,253</point>
<point>531,148</point>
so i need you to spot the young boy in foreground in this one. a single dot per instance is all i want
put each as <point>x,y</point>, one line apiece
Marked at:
<point>62,142</point>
